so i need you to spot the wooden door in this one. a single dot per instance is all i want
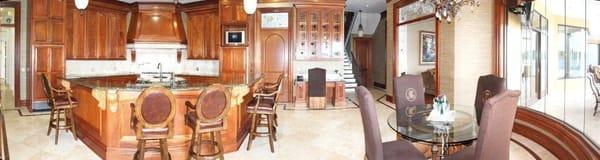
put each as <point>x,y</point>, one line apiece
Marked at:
<point>49,60</point>
<point>275,57</point>
<point>361,48</point>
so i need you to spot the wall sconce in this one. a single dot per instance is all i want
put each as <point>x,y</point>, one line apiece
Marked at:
<point>250,6</point>
<point>81,5</point>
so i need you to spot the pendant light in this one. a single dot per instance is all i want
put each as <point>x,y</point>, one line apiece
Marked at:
<point>250,6</point>
<point>81,5</point>
<point>361,30</point>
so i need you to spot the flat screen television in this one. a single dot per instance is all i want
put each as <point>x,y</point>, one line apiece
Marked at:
<point>235,37</point>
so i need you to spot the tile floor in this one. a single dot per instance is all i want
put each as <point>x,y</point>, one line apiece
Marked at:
<point>326,134</point>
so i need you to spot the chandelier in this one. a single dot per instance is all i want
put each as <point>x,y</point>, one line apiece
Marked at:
<point>449,9</point>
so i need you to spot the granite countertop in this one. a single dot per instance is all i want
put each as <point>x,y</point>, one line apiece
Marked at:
<point>96,84</point>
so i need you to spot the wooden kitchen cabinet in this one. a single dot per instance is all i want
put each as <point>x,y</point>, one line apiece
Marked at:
<point>233,13</point>
<point>204,34</point>
<point>334,93</point>
<point>233,68</point>
<point>48,60</point>
<point>47,21</point>
<point>96,35</point>
<point>319,34</point>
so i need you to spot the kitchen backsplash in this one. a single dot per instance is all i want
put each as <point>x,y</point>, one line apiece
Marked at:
<point>147,60</point>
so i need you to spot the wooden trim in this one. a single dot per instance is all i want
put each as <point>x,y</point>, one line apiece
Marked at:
<point>529,150</point>
<point>498,37</point>
<point>17,55</point>
<point>28,70</point>
<point>390,99</point>
<point>398,5</point>
<point>417,19</point>
<point>559,138</point>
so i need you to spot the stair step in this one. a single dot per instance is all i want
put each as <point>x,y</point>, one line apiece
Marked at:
<point>350,80</point>
<point>347,68</point>
<point>349,90</point>
<point>348,76</point>
<point>351,85</point>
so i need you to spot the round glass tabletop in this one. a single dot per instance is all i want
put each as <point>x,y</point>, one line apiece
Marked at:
<point>463,129</point>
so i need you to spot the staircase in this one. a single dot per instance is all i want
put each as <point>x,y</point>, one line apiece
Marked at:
<point>349,79</point>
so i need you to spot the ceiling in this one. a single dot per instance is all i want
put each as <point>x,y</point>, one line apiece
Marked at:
<point>180,1</point>
<point>369,6</point>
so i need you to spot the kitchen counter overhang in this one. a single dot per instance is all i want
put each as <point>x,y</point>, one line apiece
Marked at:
<point>103,115</point>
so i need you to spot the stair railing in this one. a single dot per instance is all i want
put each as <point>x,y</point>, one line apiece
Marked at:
<point>356,70</point>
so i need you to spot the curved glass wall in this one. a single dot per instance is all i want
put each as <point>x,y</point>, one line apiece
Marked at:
<point>553,56</point>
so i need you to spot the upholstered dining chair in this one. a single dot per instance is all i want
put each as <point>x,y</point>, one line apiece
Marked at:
<point>152,120</point>
<point>487,87</point>
<point>410,92</point>
<point>60,101</point>
<point>595,91</point>
<point>208,117</point>
<point>495,130</point>
<point>375,148</point>
<point>262,108</point>
<point>317,88</point>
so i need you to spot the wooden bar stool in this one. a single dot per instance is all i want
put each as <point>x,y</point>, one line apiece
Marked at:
<point>152,119</point>
<point>61,101</point>
<point>262,108</point>
<point>208,117</point>
<point>272,87</point>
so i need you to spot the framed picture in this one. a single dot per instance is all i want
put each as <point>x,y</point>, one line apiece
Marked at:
<point>427,47</point>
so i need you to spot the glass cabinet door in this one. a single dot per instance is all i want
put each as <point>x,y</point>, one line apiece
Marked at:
<point>302,39</point>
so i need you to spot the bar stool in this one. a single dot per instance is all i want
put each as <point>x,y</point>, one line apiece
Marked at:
<point>208,117</point>
<point>272,87</point>
<point>61,101</point>
<point>262,108</point>
<point>152,120</point>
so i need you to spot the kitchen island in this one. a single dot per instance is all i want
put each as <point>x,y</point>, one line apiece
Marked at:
<point>104,114</point>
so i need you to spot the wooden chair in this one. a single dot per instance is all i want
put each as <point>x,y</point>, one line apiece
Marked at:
<point>61,101</point>
<point>208,117</point>
<point>152,120</point>
<point>262,108</point>
<point>317,88</point>
<point>272,87</point>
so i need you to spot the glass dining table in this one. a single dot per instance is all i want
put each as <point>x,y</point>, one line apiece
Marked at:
<point>415,127</point>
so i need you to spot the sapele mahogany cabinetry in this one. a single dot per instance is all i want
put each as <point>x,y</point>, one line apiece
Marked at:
<point>319,33</point>
<point>232,12</point>
<point>48,60</point>
<point>96,34</point>
<point>47,21</point>
<point>47,29</point>
<point>203,34</point>
<point>233,69</point>
<point>335,93</point>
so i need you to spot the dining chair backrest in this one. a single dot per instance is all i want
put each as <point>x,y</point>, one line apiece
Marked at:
<point>373,144</point>
<point>410,93</point>
<point>487,87</point>
<point>493,141</point>
<point>316,82</point>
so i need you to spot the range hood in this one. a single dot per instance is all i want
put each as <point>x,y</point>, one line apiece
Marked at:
<point>156,26</point>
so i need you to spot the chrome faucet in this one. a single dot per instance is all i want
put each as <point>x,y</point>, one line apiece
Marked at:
<point>160,76</point>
